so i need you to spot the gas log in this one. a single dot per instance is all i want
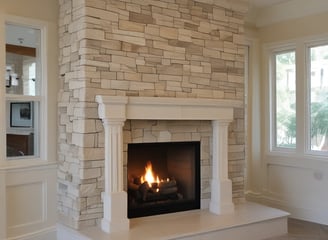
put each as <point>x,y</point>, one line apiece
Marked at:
<point>143,192</point>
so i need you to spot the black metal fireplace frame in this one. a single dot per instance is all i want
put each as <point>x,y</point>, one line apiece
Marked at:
<point>171,206</point>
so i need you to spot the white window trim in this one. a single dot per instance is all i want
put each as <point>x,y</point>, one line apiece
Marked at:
<point>302,151</point>
<point>307,46</point>
<point>42,98</point>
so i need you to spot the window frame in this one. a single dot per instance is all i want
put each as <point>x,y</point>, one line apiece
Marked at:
<point>273,148</point>
<point>40,98</point>
<point>302,64</point>
<point>307,48</point>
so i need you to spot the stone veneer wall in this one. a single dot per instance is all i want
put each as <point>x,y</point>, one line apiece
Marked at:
<point>167,48</point>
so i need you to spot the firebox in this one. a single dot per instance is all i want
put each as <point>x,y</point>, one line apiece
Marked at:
<point>163,178</point>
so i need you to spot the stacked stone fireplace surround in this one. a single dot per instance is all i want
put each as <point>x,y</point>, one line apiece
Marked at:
<point>149,48</point>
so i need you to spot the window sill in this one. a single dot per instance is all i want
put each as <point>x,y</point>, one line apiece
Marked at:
<point>27,164</point>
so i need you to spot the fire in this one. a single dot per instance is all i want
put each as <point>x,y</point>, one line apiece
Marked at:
<point>149,175</point>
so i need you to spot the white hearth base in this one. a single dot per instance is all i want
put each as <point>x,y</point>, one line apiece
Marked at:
<point>249,221</point>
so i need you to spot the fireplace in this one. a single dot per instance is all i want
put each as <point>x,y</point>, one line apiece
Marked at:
<point>163,178</point>
<point>115,110</point>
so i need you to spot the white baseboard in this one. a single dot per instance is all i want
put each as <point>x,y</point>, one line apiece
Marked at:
<point>44,234</point>
<point>66,233</point>
<point>306,214</point>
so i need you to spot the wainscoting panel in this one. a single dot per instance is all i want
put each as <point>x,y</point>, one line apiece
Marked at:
<point>30,201</point>
<point>25,204</point>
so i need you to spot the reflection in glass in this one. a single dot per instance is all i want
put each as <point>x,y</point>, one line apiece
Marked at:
<point>22,44</point>
<point>319,98</point>
<point>21,135</point>
<point>22,78</point>
<point>285,100</point>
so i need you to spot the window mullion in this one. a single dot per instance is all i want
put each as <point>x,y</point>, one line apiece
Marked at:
<point>2,92</point>
<point>301,98</point>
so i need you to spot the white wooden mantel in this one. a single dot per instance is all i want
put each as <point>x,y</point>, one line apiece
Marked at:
<point>115,110</point>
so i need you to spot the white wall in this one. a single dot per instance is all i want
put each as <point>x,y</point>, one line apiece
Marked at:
<point>27,188</point>
<point>297,184</point>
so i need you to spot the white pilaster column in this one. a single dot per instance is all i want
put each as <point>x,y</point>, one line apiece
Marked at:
<point>221,186</point>
<point>112,111</point>
<point>114,198</point>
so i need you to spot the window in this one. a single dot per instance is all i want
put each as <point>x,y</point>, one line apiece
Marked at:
<point>285,100</point>
<point>24,92</point>
<point>299,98</point>
<point>318,92</point>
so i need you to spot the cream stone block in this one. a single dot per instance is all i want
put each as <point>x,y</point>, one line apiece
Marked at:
<point>105,84</point>
<point>210,53</point>
<point>171,12</point>
<point>152,29</point>
<point>90,173</point>
<point>130,39</point>
<point>132,76</point>
<point>94,63</point>
<point>164,45</point>
<point>131,26</point>
<point>77,84</point>
<point>111,44</point>
<point>100,13</point>
<point>205,27</point>
<point>140,18</point>
<point>161,18</point>
<point>83,140</point>
<point>108,75</point>
<point>140,61</point>
<point>200,80</point>
<point>218,94</point>
<point>184,32</point>
<point>220,76</point>
<point>215,44</point>
<point>174,55</point>
<point>236,78</point>
<point>88,74</point>
<point>203,93</point>
<point>128,33</point>
<point>87,190</point>
<point>196,69</point>
<point>167,32</point>
<point>228,56</point>
<point>120,84</point>
<point>141,86</point>
<point>184,38</point>
<point>170,78</point>
<point>238,39</point>
<point>173,86</point>
<point>133,7</point>
<point>220,14</point>
<point>84,125</point>
<point>230,47</point>
<point>91,34</point>
<point>149,77</point>
<point>91,153</point>
<point>199,35</point>
<point>131,62</point>
<point>164,136</point>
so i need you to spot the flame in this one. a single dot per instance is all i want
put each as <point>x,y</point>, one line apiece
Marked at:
<point>149,175</point>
